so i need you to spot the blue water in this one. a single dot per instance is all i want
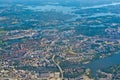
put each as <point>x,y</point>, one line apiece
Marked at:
<point>104,63</point>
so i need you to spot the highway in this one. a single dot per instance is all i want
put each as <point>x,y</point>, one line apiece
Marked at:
<point>57,64</point>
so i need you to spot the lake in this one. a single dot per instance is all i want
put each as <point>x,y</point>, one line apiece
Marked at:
<point>103,63</point>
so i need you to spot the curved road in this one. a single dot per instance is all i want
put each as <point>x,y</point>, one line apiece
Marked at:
<point>60,69</point>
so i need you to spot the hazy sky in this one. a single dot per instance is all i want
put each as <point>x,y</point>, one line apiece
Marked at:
<point>61,2</point>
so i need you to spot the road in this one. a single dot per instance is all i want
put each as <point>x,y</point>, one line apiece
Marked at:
<point>60,69</point>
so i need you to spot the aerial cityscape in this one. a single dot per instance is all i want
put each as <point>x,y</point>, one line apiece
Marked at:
<point>59,40</point>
